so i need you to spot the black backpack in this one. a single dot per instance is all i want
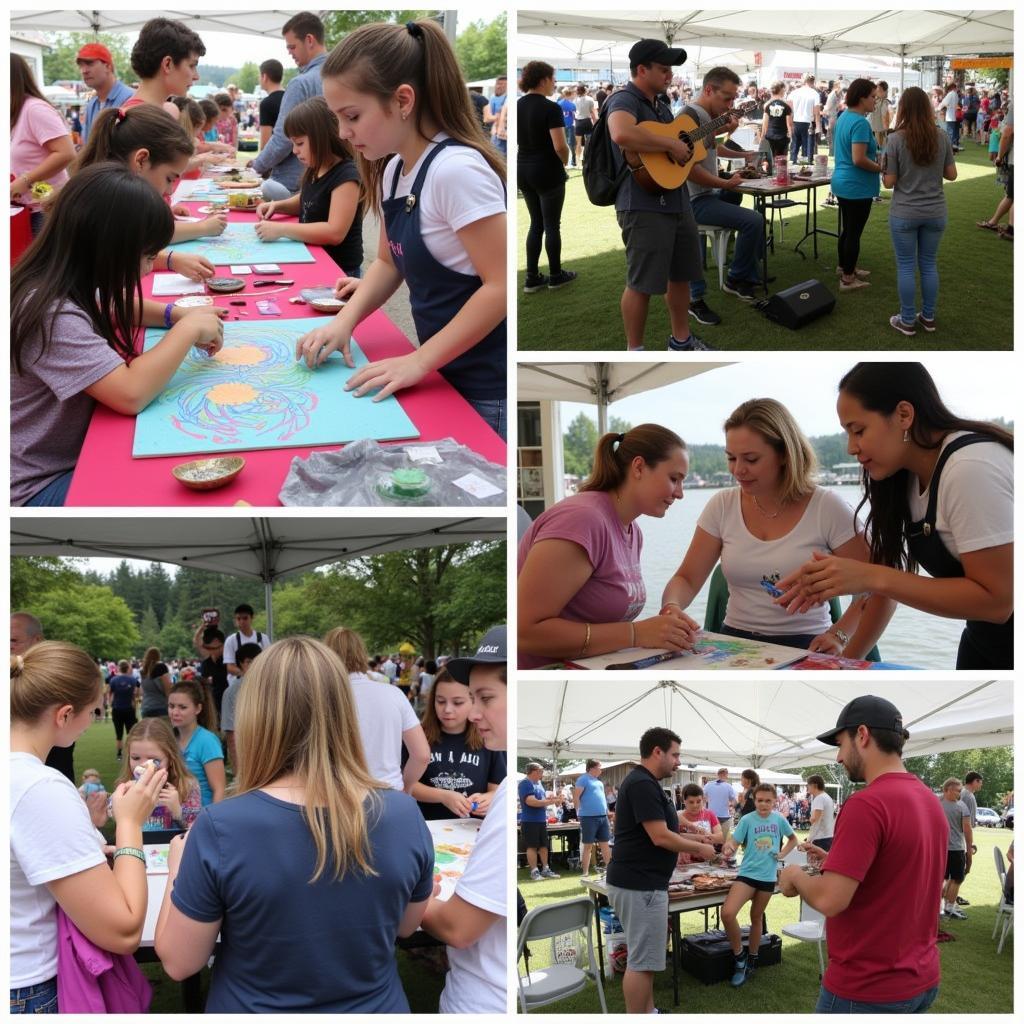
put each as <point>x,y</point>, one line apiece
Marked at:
<point>601,177</point>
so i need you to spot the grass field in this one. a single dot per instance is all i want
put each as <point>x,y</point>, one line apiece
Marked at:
<point>975,980</point>
<point>421,980</point>
<point>975,308</point>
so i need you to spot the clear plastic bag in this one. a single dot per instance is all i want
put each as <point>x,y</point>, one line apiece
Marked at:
<point>367,473</point>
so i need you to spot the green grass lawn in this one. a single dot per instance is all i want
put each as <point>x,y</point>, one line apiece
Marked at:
<point>421,980</point>
<point>975,980</point>
<point>975,308</point>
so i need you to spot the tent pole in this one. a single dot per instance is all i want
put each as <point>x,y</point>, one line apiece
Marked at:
<point>268,599</point>
<point>601,380</point>
<point>903,66</point>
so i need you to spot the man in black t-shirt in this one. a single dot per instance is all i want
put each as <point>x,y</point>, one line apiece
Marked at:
<point>212,669</point>
<point>479,101</point>
<point>647,843</point>
<point>271,74</point>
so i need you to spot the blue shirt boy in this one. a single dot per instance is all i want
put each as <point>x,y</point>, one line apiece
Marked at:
<point>761,839</point>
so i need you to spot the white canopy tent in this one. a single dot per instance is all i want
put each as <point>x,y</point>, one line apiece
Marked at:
<point>263,549</point>
<point>774,777</point>
<point>762,724</point>
<point>599,384</point>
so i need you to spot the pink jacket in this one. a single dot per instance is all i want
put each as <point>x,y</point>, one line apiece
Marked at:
<point>91,980</point>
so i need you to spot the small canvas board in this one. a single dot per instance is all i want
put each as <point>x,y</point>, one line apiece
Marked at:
<point>239,243</point>
<point>713,651</point>
<point>454,840</point>
<point>156,858</point>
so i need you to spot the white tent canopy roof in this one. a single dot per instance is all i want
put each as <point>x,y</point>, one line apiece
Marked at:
<point>239,20</point>
<point>775,778</point>
<point>762,724</point>
<point>600,383</point>
<point>909,33</point>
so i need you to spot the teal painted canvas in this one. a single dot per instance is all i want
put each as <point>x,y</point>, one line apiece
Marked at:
<point>239,244</point>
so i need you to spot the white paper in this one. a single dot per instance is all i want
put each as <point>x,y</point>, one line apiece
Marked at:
<point>241,269</point>
<point>477,486</point>
<point>266,268</point>
<point>428,454</point>
<point>176,284</point>
<point>186,189</point>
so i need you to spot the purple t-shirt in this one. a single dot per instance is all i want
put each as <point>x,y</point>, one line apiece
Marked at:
<point>50,410</point>
<point>615,591</point>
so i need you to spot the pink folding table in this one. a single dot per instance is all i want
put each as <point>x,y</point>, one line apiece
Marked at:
<point>106,473</point>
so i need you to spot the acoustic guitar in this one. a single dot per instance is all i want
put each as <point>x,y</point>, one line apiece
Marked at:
<point>658,172</point>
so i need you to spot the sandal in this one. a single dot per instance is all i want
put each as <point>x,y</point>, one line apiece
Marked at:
<point>988,225</point>
<point>1006,234</point>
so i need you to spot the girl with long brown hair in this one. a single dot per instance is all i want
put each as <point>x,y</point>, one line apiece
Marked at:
<point>580,586</point>
<point>918,158</point>
<point>327,204</point>
<point>192,714</point>
<point>311,869</point>
<point>398,89</point>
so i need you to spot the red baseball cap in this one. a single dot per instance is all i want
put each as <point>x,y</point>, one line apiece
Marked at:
<point>95,51</point>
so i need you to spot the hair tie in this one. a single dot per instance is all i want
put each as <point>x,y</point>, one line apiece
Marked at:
<point>19,663</point>
<point>120,114</point>
<point>416,31</point>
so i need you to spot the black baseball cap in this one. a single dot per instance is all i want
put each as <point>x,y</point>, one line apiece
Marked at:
<point>654,51</point>
<point>874,712</point>
<point>492,650</point>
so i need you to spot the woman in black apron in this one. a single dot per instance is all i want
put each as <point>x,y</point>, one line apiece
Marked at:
<point>922,505</point>
<point>397,89</point>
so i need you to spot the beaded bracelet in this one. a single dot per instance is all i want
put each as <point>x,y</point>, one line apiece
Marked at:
<point>169,255</point>
<point>130,851</point>
<point>168,323</point>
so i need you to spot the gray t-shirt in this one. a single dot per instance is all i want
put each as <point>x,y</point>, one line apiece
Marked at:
<point>50,410</point>
<point>970,801</point>
<point>631,197</point>
<point>955,812</point>
<point>710,161</point>
<point>918,193</point>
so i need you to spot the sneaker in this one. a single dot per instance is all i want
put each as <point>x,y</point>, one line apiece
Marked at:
<point>548,873</point>
<point>830,200</point>
<point>535,284</point>
<point>703,313</point>
<point>691,344</point>
<point>740,289</point>
<point>879,199</point>
<point>119,755</point>
<point>853,285</point>
<point>897,324</point>
<point>956,913</point>
<point>928,325</point>
<point>563,277</point>
<point>535,875</point>
<point>961,902</point>
<point>739,975</point>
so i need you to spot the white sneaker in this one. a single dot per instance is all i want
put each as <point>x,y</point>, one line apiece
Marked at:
<point>548,873</point>
<point>534,875</point>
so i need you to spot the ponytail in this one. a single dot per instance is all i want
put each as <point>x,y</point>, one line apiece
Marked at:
<point>202,698</point>
<point>616,452</point>
<point>116,134</point>
<point>50,674</point>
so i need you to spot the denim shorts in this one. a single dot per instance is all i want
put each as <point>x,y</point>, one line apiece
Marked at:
<point>41,998</point>
<point>594,828</point>
<point>644,917</point>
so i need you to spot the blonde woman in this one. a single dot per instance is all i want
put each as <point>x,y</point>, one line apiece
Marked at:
<point>56,856</point>
<point>767,526</point>
<point>386,718</point>
<point>311,870</point>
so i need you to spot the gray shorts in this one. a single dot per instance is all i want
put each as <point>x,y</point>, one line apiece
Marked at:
<point>644,917</point>
<point>660,247</point>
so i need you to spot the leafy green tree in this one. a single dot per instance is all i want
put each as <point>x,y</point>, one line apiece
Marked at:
<point>301,607</point>
<point>149,630</point>
<point>578,445</point>
<point>994,764</point>
<point>338,24</point>
<point>59,60</point>
<point>482,49</point>
<point>33,577</point>
<point>248,76</point>
<point>90,616</point>
<point>175,640</point>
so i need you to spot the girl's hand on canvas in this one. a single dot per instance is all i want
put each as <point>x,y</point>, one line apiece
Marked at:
<point>180,210</point>
<point>208,331</point>
<point>345,287</point>
<point>214,224</point>
<point>266,210</point>
<point>316,346</point>
<point>457,803</point>
<point>674,610</point>
<point>388,376</point>
<point>267,232</point>
<point>195,268</point>
<point>666,632</point>
<point>482,801</point>
<point>826,643</point>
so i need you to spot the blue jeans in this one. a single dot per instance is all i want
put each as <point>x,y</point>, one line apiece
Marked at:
<point>829,1003</point>
<point>570,138</point>
<point>493,412</point>
<point>54,493</point>
<point>917,248</point>
<point>801,141</point>
<point>274,191</point>
<point>41,998</point>
<point>500,144</point>
<point>722,209</point>
<point>953,131</point>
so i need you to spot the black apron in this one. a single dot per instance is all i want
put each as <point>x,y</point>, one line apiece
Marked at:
<point>983,645</point>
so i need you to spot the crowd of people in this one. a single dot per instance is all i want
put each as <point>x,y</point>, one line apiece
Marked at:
<point>333,778</point>
<point>906,143</point>
<point>938,496</point>
<point>885,867</point>
<point>350,135</point>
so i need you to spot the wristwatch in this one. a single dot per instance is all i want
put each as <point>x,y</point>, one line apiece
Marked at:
<point>842,636</point>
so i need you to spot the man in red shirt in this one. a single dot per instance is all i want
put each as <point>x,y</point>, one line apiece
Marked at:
<point>882,878</point>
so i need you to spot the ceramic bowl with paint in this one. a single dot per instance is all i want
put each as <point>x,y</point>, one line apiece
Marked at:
<point>225,284</point>
<point>404,485</point>
<point>208,474</point>
<point>193,301</point>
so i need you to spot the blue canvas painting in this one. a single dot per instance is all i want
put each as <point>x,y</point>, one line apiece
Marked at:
<point>239,244</point>
<point>254,394</point>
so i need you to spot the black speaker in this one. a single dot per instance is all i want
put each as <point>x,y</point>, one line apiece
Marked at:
<point>796,307</point>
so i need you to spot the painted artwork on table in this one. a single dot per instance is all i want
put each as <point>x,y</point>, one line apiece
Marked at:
<point>713,651</point>
<point>254,394</point>
<point>454,840</point>
<point>156,858</point>
<point>240,244</point>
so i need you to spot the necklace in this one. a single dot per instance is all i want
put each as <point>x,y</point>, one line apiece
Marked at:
<point>762,510</point>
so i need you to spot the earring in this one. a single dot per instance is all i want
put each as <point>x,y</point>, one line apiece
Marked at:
<point>906,436</point>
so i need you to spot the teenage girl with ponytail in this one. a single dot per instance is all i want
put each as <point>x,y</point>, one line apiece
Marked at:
<point>56,855</point>
<point>397,89</point>
<point>580,586</point>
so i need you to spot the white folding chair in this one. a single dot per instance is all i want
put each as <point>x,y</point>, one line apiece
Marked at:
<point>561,980</point>
<point>1004,912</point>
<point>719,239</point>
<point>810,928</point>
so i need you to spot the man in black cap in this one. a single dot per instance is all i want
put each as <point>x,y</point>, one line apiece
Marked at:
<point>659,231</point>
<point>882,877</point>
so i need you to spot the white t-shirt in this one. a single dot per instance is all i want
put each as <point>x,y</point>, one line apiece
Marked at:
<point>460,189</point>
<point>827,524</point>
<point>477,977</point>
<point>51,837</point>
<point>390,669</point>
<point>384,714</point>
<point>803,101</point>
<point>825,825</point>
<point>949,104</point>
<point>231,645</point>
<point>975,507</point>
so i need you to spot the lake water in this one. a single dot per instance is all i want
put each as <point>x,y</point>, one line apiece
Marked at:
<point>911,638</point>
